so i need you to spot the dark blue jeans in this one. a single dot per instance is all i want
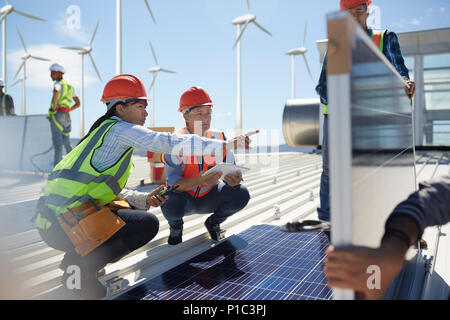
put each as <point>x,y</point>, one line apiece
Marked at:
<point>223,201</point>
<point>60,134</point>
<point>324,209</point>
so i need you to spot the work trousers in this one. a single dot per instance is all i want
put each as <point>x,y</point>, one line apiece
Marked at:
<point>223,201</point>
<point>324,209</point>
<point>60,126</point>
<point>140,228</point>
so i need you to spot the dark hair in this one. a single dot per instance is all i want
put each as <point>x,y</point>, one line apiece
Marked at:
<point>110,113</point>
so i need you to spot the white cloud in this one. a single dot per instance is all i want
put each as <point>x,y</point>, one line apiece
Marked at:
<point>442,9</point>
<point>415,22</point>
<point>429,12</point>
<point>38,74</point>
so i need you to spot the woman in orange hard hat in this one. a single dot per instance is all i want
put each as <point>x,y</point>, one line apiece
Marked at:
<point>94,174</point>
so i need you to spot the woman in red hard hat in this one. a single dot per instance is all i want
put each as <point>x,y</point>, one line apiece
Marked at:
<point>94,174</point>
<point>387,42</point>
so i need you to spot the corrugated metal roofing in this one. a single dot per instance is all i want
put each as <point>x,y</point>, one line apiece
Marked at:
<point>287,183</point>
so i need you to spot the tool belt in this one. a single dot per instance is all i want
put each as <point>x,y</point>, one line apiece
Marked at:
<point>91,224</point>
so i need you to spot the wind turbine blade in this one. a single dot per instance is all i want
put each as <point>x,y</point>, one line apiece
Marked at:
<point>21,79</point>
<point>307,66</point>
<point>153,81</point>
<point>28,15</point>
<point>304,36</point>
<point>73,48</point>
<point>23,42</point>
<point>154,54</point>
<point>20,68</point>
<point>259,26</point>
<point>39,58</point>
<point>93,35</point>
<point>95,67</point>
<point>168,71</point>
<point>150,11</point>
<point>240,35</point>
<point>248,6</point>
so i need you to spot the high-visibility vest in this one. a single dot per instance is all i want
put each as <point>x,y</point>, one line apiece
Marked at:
<point>75,181</point>
<point>378,39</point>
<point>65,97</point>
<point>192,168</point>
<point>4,104</point>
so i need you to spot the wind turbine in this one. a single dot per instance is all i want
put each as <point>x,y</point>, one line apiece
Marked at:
<point>295,52</point>
<point>85,51</point>
<point>24,66</point>
<point>154,71</point>
<point>242,20</point>
<point>22,80</point>
<point>4,12</point>
<point>119,33</point>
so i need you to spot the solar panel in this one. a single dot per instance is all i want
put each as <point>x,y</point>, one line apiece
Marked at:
<point>261,263</point>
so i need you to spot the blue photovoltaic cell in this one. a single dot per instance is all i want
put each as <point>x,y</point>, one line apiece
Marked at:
<point>261,263</point>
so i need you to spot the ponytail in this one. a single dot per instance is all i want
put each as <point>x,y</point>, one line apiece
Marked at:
<point>110,113</point>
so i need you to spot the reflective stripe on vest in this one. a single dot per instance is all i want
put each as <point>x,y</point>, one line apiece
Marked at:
<point>4,104</point>
<point>65,96</point>
<point>378,39</point>
<point>74,180</point>
<point>192,168</point>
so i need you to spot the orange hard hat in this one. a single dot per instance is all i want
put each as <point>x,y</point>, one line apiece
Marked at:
<point>348,4</point>
<point>123,87</point>
<point>194,97</point>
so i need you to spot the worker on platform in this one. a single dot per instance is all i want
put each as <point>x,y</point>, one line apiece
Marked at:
<point>6,101</point>
<point>387,42</point>
<point>85,210</point>
<point>60,107</point>
<point>198,193</point>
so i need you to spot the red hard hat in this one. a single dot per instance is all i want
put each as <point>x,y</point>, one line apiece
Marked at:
<point>124,86</point>
<point>194,97</point>
<point>348,4</point>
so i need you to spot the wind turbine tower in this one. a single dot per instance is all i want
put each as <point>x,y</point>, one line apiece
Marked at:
<point>295,52</point>
<point>85,51</point>
<point>24,67</point>
<point>154,71</point>
<point>4,12</point>
<point>119,33</point>
<point>239,21</point>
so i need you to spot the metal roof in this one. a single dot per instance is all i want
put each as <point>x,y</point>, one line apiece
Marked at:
<point>287,183</point>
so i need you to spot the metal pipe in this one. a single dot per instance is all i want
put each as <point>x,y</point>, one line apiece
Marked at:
<point>118,37</point>
<point>82,98</point>
<point>301,122</point>
<point>239,97</point>
<point>4,53</point>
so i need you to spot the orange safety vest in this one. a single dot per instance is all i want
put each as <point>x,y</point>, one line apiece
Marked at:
<point>192,169</point>
<point>378,38</point>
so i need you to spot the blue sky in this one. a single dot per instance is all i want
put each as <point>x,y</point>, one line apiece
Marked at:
<point>195,39</point>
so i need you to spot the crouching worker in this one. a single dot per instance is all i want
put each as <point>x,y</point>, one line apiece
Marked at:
<point>85,210</point>
<point>199,193</point>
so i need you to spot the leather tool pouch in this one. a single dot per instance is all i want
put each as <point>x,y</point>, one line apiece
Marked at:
<point>89,225</point>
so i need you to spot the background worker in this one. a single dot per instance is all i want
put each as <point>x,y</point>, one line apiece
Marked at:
<point>346,267</point>
<point>58,114</point>
<point>97,169</point>
<point>197,193</point>
<point>388,43</point>
<point>6,102</point>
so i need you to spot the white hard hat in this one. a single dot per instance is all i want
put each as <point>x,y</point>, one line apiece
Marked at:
<point>57,67</point>
<point>2,83</point>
